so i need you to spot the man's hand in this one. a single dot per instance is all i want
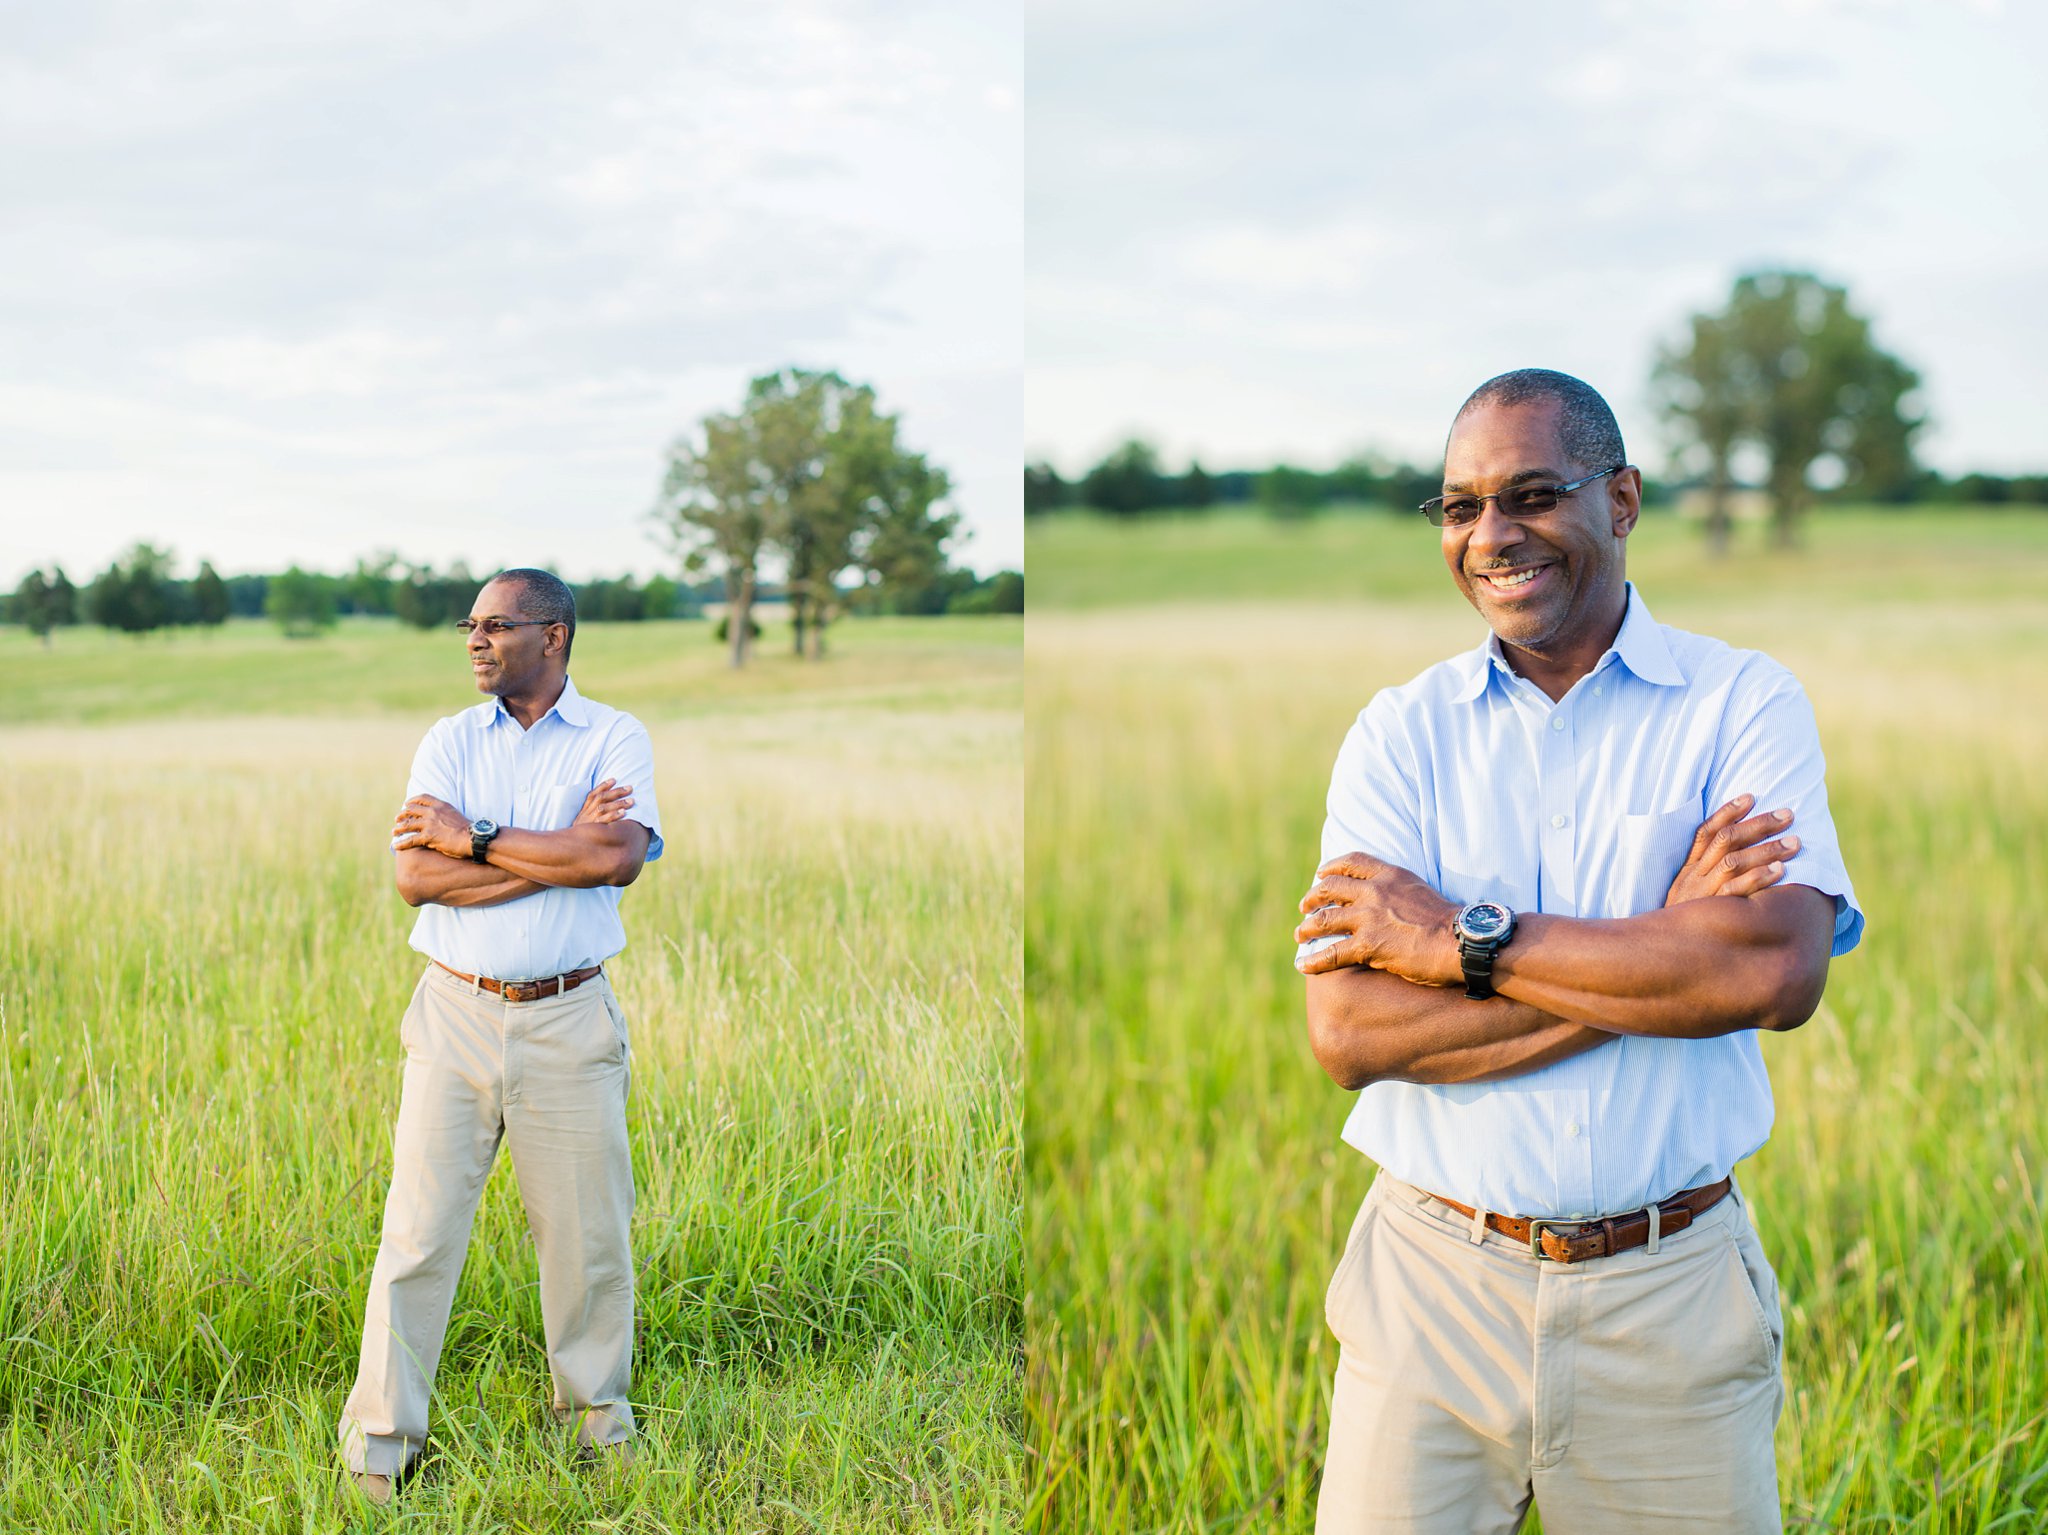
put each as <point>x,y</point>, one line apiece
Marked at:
<point>1734,857</point>
<point>1389,920</point>
<point>605,804</point>
<point>433,824</point>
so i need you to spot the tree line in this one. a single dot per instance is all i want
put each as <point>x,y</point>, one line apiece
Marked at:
<point>1784,387</point>
<point>809,476</point>
<point>138,593</point>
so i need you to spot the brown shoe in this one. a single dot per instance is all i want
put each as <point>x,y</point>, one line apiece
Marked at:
<point>374,1488</point>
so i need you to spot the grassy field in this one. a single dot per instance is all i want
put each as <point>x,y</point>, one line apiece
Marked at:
<point>202,969</point>
<point>1187,1193</point>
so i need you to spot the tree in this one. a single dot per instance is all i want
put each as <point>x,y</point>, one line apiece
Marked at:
<point>1197,489</point>
<point>905,555</point>
<point>1789,367</point>
<point>302,602</point>
<point>43,603</point>
<point>1044,490</point>
<point>372,587</point>
<point>1127,482</point>
<point>209,596</point>
<point>132,594</point>
<point>659,598</point>
<point>809,468</point>
<point>1287,492</point>
<point>714,506</point>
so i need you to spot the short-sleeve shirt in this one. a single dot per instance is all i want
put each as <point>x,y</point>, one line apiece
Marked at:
<point>484,764</point>
<point>1472,778</point>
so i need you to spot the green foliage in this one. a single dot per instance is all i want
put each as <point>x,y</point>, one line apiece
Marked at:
<point>1044,490</point>
<point>302,602</point>
<point>1187,1190</point>
<point>427,600</point>
<point>1127,482</point>
<point>44,602</point>
<point>1002,592</point>
<point>209,596</point>
<point>810,469</point>
<point>134,594</point>
<point>1287,492</point>
<point>721,631</point>
<point>1790,368</point>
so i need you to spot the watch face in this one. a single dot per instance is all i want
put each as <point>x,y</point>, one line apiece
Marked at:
<point>1484,920</point>
<point>484,828</point>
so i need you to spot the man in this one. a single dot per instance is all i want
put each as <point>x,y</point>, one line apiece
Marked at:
<point>515,843</point>
<point>1546,965</point>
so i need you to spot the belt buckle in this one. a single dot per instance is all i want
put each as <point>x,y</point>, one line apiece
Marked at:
<point>522,991</point>
<point>1537,1227</point>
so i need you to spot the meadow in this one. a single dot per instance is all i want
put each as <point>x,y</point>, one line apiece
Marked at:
<point>1186,1190</point>
<point>203,964</point>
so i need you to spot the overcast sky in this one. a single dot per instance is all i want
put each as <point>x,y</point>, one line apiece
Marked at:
<point>1266,231</point>
<point>297,281</point>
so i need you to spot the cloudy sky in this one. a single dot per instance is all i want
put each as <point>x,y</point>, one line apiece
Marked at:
<point>300,279</point>
<point>1268,230</point>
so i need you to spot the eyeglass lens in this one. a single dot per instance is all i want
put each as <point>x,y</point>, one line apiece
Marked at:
<point>1522,501</point>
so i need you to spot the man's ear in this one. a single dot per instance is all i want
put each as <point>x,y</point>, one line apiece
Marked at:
<point>1625,499</point>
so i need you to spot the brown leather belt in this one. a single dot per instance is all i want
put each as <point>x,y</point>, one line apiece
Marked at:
<point>528,991</point>
<point>1569,1241</point>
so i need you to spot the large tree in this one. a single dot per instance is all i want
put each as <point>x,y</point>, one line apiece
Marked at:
<point>809,469</point>
<point>1789,368</point>
<point>43,603</point>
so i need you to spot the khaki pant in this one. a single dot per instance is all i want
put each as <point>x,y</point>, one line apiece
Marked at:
<point>1632,1393</point>
<point>550,1079</point>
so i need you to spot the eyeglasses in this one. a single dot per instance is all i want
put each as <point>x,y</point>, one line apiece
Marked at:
<point>1517,501</point>
<point>469,626</point>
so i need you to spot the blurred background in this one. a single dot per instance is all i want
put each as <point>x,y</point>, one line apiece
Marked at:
<point>1272,249</point>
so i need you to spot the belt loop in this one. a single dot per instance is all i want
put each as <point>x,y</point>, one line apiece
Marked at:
<point>476,984</point>
<point>1656,1226</point>
<point>1479,1223</point>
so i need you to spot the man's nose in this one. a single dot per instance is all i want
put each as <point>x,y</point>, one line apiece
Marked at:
<point>1495,530</point>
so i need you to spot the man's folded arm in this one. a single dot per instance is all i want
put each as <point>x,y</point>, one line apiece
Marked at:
<point>429,878</point>
<point>1369,1026</point>
<point>580,857</point>
<point>1691,971</point>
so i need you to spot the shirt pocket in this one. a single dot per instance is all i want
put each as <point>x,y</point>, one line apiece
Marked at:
<point>1649,852</point>
<point>556,807</point>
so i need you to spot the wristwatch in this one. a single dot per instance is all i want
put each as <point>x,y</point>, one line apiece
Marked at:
<point>480,834</point>
<point>1483,928</point>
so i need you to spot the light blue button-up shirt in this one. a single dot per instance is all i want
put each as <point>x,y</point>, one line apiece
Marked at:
<point>1470,777</point>
<point>484,764</point>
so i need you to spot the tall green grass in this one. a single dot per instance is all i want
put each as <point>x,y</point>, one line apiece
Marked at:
<point>202,969</point>
<point>1187,1193</point>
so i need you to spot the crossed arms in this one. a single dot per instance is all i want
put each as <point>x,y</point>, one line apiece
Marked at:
<point>1725,952</point>
<point>599,847</point>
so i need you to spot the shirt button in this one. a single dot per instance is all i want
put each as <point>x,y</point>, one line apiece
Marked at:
<point>1599,688</point>
<point>1572,1129</point>
<point>1560,820</point>
<point>1557,722</point>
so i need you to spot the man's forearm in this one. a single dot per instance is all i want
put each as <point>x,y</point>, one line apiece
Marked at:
<point>426,877</point>
<point>1691,971</point>
<point>577,857</point>
<point>1368,1026</point>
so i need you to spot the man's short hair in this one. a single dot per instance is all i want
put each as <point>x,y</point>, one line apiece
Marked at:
<point>1585,424</point>
<point>544,596</point>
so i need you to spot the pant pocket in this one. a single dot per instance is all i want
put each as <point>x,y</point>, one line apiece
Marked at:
<point>1339,1296</point>
<point>1760,1285</point>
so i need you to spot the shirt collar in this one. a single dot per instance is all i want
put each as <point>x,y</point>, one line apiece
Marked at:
<point>570,707</point>
<point>1640,646</point>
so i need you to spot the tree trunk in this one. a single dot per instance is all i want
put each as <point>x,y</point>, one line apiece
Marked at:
<point>818,635</point>
<point>739,617</point>
<point>797,606</point>
<point>1720,524</point>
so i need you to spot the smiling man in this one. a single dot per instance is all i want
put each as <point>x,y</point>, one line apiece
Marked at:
<point>1544,945</point>
<point>525,818</point>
